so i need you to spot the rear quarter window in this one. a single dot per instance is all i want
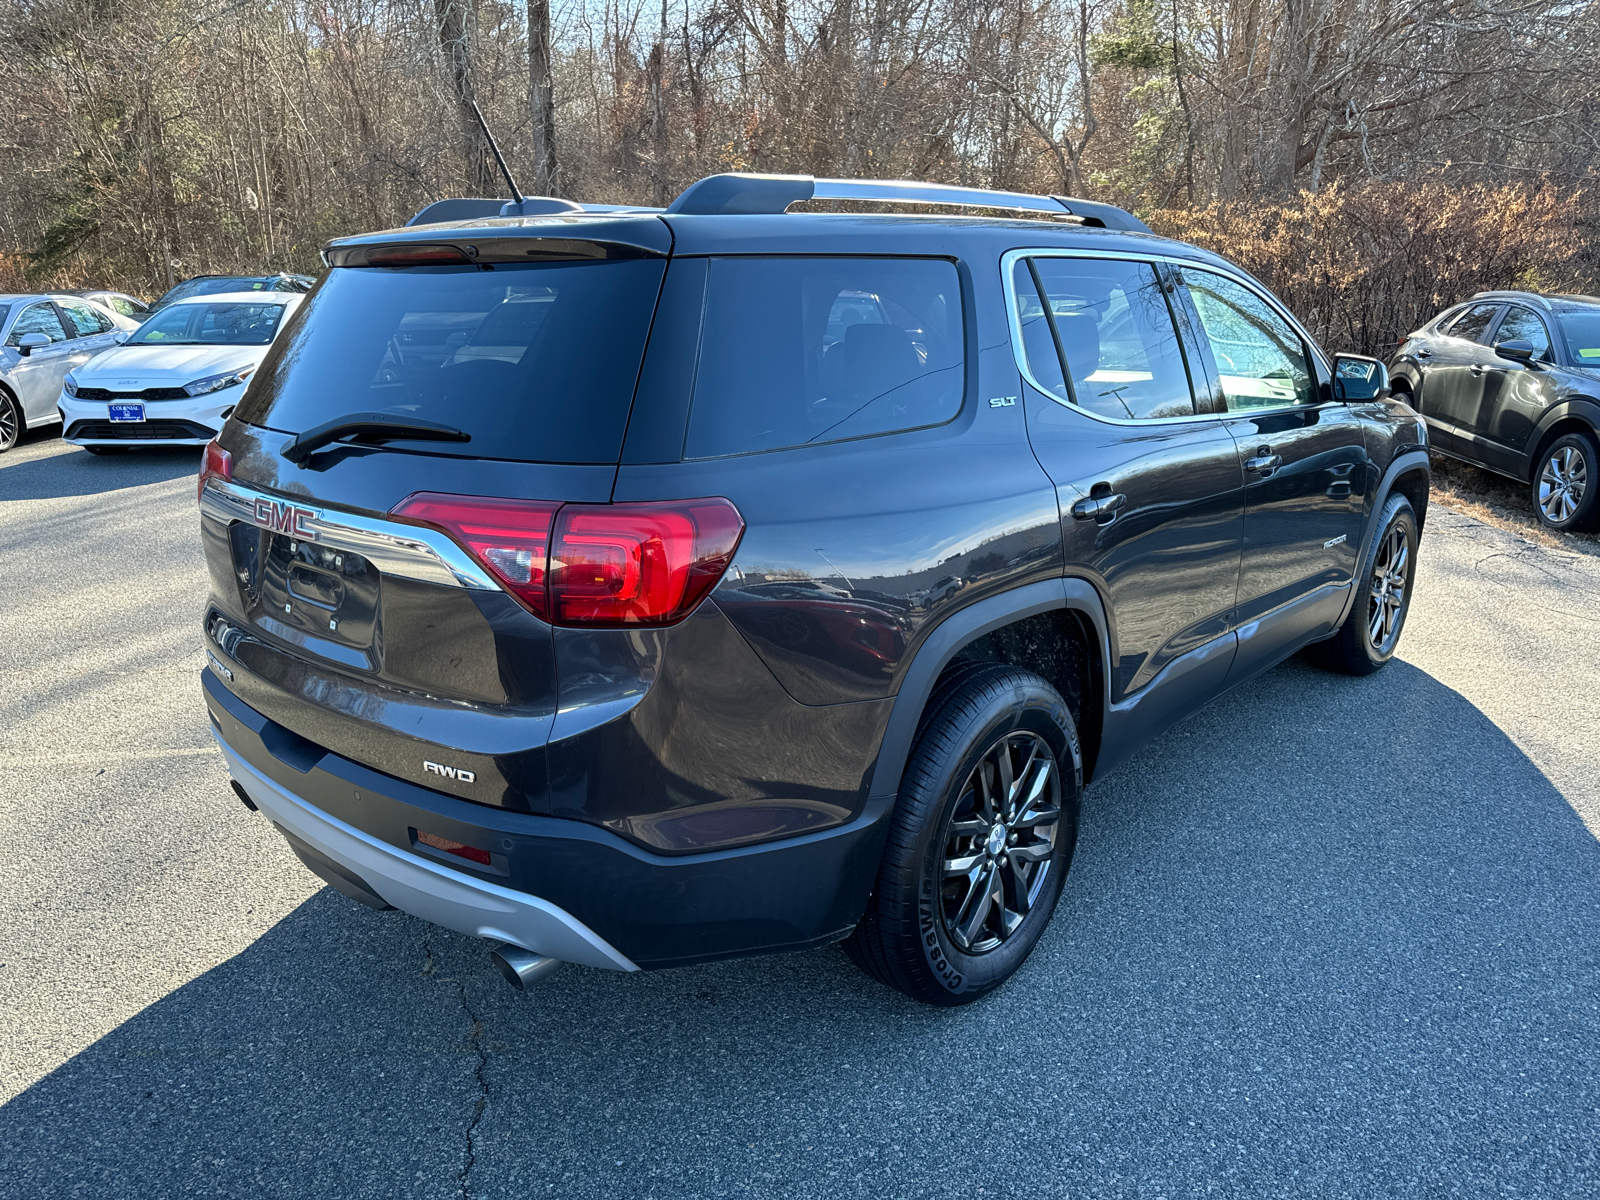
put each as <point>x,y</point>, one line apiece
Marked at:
<point>802,351</point>
<point>535,362</point>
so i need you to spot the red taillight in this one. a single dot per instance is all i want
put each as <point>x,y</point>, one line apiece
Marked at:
<point>509,537</point>
<point>217,464</point>
<point>613,565</point>
<point>639,564</point>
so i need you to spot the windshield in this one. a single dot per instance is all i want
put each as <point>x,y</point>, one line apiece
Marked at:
<point>229,323</point>
<point>535,362</point>
<point>1582,330</point>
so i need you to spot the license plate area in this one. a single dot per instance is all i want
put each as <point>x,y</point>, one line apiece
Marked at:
<point>127,412</point>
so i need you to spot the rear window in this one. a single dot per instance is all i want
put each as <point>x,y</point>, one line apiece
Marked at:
<point>799,351</point>
<point>534,362</point>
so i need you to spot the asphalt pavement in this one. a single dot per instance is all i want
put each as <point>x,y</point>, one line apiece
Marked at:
<point>1328,938</point>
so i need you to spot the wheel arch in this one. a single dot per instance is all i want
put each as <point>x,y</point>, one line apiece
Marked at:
<point>1056,627</point>
<point>1409,474</point>
<point>1578,415</point>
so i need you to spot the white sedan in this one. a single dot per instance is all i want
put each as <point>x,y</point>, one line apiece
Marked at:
<point>175,381</point>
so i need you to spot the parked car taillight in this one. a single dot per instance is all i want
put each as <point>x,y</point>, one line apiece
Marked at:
<point>217,464</point>
<point>611,565</point>
<point>511,538</point>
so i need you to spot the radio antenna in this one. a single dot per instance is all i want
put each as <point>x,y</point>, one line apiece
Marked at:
<point>516,192</point>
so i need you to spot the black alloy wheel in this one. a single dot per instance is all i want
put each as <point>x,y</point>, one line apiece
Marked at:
<point>981,839</point>
<point>1371,632</point>
<point>10,421</point>
<point>1000,842</point>
<point>1566,484</point>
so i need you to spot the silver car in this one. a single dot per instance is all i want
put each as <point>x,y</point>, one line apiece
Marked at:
<point>42,337</point>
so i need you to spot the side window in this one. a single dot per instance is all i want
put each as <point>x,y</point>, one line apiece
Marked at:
<point>86,320</point>
<point>1107,321</point>
<point>1473,323</point>
<point>797,351</point>
<point>1261,361</point>
<point>37,318</point>
<point>1523,325</point>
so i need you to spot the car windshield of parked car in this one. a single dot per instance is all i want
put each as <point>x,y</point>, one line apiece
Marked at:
<point>1582,331</point>
<point>229,323</point>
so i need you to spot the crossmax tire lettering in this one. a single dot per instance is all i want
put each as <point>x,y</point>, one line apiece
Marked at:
<point>907,938</point>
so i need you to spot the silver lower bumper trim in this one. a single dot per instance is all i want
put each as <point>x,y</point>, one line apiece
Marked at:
<point>434,893</point>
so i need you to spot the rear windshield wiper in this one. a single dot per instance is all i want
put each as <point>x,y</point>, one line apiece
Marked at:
<point>371,427</point>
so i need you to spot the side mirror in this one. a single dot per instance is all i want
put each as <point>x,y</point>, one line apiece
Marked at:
<point>121,336</point>
<point>1516,350</point>
<point>1357,377</point>
<point>29,342</point>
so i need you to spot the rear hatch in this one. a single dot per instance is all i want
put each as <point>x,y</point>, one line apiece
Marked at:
<point>384,638</point>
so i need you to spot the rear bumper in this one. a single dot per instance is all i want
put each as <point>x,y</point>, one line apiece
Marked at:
<point>414,885</point>
<point>563,888</point>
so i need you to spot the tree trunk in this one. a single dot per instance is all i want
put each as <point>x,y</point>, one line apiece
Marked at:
<point>658,112</point>
<point>455,42</point>
<point>542,101</point>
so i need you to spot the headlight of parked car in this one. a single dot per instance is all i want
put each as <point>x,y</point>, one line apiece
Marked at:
<point>70,386</point>
<point>215,383</point>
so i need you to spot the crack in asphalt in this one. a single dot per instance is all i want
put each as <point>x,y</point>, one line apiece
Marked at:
<point>476,1043</point>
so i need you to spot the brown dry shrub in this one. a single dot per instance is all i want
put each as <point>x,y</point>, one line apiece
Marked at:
<point>1362,266</point>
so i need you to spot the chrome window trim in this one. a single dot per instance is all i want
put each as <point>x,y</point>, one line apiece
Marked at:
<point>1008,262</point>
<point>406,551</point>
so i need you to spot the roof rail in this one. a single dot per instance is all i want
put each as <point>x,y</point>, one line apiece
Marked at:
<point>753,194</point>
<point>1508,294</point>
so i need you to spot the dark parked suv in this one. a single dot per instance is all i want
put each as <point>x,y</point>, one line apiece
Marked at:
<point>1510,381</point>
<point>643,588</point>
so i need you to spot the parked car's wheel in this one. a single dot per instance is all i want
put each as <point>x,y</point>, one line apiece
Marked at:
<point>1370,634</point>
<point>982,837</point>
<point>1566,483</point>
<point>10,421</point>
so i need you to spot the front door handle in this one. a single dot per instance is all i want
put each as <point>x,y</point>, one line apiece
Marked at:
<point>1103,509</point>
<point>1264,461</point>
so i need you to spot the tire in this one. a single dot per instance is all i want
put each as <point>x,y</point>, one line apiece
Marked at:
<point>1367,641</point>
<point>11,422</point>
<point>942,940</point>
<point>106,449</point>
<point>1565,488</point>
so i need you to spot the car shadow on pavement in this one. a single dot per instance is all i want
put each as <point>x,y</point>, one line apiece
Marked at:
<point>73,471</point>
<point>1330,937</point>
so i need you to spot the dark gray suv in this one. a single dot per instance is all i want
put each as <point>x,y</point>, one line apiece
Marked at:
<point>641,588</point>
<point>1510,381</point>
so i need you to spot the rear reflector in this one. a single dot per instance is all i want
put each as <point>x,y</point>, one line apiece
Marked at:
<point>459,849</point>
<point>217,464</point>
<point>610,565</point>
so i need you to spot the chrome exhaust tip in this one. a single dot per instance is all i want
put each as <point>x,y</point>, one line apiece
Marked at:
<point>522,968</point>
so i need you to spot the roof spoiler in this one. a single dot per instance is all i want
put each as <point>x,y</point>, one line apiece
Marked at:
<point>756,194</point>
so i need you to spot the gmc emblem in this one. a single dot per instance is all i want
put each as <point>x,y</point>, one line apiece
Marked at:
<point>285,518</point>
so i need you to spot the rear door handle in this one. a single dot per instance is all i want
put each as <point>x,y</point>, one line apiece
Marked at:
<point>1103,509</point>
<point>1264,461</point>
